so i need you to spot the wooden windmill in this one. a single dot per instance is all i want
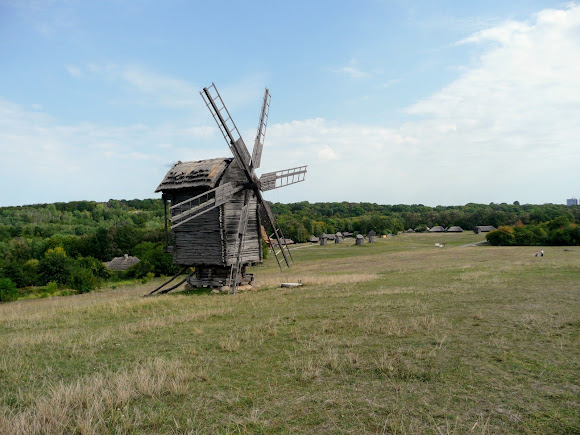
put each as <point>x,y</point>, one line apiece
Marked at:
<point>217,208</point>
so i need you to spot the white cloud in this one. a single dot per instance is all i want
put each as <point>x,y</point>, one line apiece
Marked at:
<point>149,88</point>
<point>353,71</point>
<point>507,129</point>
<point>47,162</point>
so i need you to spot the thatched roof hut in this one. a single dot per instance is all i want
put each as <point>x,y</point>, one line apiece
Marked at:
<point>359,239</point>
<point>313,239</point>
<point>455,229</point>
<point>437,229</point>
<point>483,229</point>
<point>119,264</point>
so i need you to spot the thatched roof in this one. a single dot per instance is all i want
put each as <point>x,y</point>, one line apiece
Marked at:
<point>313,239</point>
<point>372,233</point>
<point>485,228</point>
<point>121,263</point>
<point>410,230</point>
<point>359,236</point>
<point>455,229</point>
<point>201,173</point>
<point>437,229</point>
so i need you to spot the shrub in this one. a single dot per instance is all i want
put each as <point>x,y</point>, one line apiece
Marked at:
<point>97,267</point>
<point>83,280</point>
<point>503,236</point>
<point>51,287</point>
<point>8,291</point>
<point>153,258</point>
<point>55,266</point>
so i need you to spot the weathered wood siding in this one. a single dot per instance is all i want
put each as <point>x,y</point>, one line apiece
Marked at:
<point>201,240</point>
<point>252,247</point>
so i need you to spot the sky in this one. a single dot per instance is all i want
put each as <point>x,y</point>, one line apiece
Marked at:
<point>386,101</point>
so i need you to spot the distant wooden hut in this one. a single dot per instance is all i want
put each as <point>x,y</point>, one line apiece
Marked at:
<point>119,264</point>
<point>330,236</point>
<point>313,239</point>
<point>437,229</point>
<point>346,234</point>
<point>323,240</point>
<point>359,239</point>
<point>338,237</point>
<point>372,235</point>
<point>410,230</point>
<point>455,229</point>
<point>483,229</point>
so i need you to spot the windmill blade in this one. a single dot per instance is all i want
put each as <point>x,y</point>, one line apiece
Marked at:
<point>223,119</point>
<point>261,134</point>
<point>277,232</point>
<point>200,204</point>
<point>285,177</point>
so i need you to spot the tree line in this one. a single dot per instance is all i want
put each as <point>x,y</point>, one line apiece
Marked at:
<point>557,232</point>
<point>60,245</point>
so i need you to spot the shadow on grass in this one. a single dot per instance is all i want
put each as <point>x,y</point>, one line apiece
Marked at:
<point>197,291</point>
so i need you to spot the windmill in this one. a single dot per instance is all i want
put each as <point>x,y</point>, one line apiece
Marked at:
<point>217,207</point>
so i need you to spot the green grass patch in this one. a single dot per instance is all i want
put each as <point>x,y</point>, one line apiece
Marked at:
<point>394,337</point>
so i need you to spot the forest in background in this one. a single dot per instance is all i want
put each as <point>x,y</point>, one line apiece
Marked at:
<point>65,244</point>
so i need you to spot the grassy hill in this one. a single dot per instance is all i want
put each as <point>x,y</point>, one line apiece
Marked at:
<point>393,337</point>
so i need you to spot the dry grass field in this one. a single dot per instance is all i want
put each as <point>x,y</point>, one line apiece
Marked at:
<point>394,337</point>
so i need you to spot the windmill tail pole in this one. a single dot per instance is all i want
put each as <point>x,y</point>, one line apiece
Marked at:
<point>167,290</point>
<point>167,282</point>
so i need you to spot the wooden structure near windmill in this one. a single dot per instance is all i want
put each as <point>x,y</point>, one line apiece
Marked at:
<point>217,208</point>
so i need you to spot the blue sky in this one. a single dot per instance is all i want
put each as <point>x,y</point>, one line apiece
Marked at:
<point>428,102</point>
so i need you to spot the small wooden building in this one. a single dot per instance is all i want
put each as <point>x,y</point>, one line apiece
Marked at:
<point>483,229</point>
<point>437,229</point>
<point>372,235</point>
<point>338,237</point>
<point>323,240</point>
<point>313,239</point>
<point>455,229</point>
<point>359,239</point>
<point>120,264</point>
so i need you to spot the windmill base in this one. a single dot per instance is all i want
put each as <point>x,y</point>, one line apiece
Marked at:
<point>217,277</point>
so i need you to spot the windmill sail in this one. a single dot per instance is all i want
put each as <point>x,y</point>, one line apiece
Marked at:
<point>261,134</point>
<point>227,126</point>
<point>285,177</point>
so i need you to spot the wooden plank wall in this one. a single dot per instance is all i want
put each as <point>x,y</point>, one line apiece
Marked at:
<point>252,247</point>
<point>199,241</point>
